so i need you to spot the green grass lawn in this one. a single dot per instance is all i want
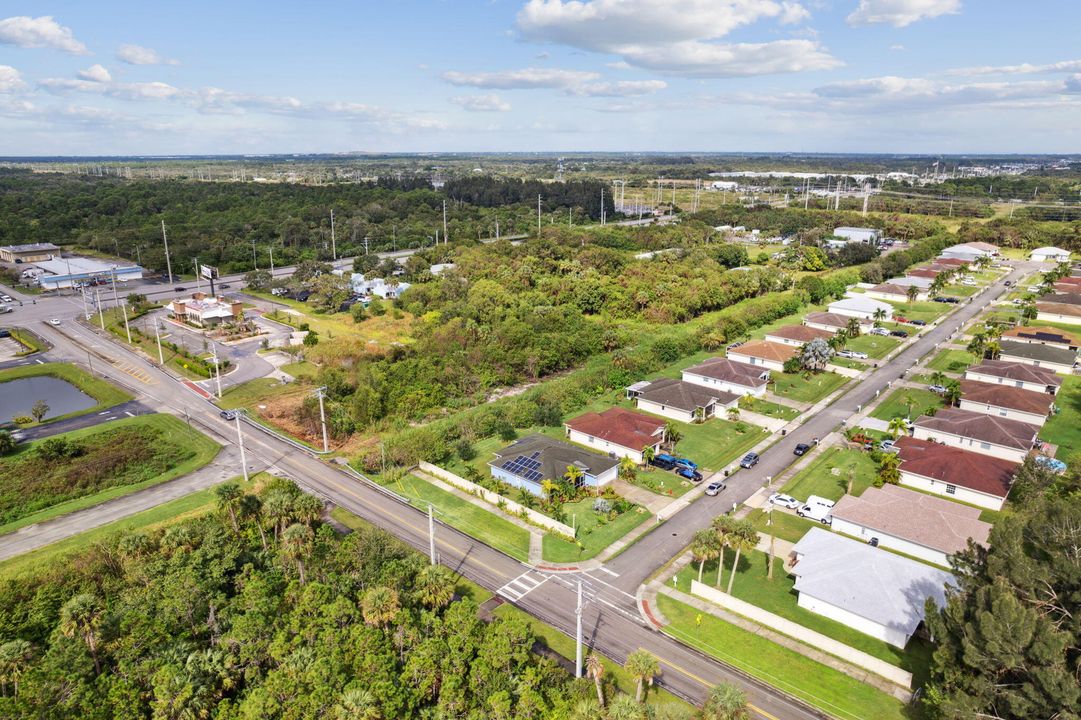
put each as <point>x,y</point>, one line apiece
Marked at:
<point>329,325</point>
<point>484,525</point>
<point>615,677</point>
<point>121,457</point>
<point>594,534</point>
<point>959,290</point>
<point>926,310</point>
<point>716,443</point>
<point>301,369</point>
<point>955,361</point>
<point>907,402</point>
<point>819,477</point>
<point>251,393</point>
<point>769,409</point>
<point>810,389</point>
<point>662,482</point>
<point>103,392</point>
<point>142,337</point>
<point>850,363</point>
<point>779,597</point>
<point>874,345</point>
<point>29,340</point>
<point>786,526</point>
<point>1064,429</point>
<point>825,688</point>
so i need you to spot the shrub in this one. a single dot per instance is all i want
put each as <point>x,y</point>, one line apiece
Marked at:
<point>602,506</point>
<point>465,450</point>
<point>58,448</point>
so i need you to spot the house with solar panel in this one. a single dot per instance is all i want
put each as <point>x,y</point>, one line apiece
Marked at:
<point>527,462</point>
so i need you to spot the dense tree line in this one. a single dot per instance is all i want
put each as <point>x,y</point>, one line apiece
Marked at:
<point>1024,233</point>
<point>488,191</point>
<point>1003,187</point>
<point>790,221</point>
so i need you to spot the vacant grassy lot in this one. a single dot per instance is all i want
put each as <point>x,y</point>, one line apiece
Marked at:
<point>786,526</point>
<point>874,345</point>
<point>594,532</point>
<point>769,409</point>
<point>832,691</point>
<point>907,403</point>
<point>1064,429</point>
<point>801,387</point>
<point>955,361</point>
<point>926,310</point>
<point>113,459</point>
<point>104,393</point>
<point>827,475</point>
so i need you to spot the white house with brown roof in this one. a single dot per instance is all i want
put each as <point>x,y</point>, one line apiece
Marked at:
<point>833,322</point>
<point>729,376</point>
<point>1059,307</point>
<point>1004,401</point>
<point>953,473</point>
<point>797,335</point>
<point>985,434</point>
<point>895,292</point>
<point>681,400</point>
<point>921,526</point>
<point>1015,374</point>
<point>616,431</point>
<point>760,353</point>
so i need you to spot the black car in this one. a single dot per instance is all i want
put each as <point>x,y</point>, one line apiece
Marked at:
<point>179,288</point>
<point>952,300</point>
<point>917,323</point>
<point>749,460</point>
<point>662,463</point>
<point>899,333</point>
<point>941,299</point>
<point>801,448</point>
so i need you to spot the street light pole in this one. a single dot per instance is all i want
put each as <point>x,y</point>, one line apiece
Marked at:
<point>217,370</point>
<point>240,441</point>
<point>127,328</point>
<point>321,393</point>
<point>101,314</point>
<point>431,534</point>
<point>157,336</point>
<point>578,634</point>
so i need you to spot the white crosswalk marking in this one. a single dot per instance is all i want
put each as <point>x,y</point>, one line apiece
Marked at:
<point>522,585</point>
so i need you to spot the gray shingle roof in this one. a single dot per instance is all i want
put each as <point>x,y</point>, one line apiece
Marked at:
<point>684,395</point>
<point>1035,351</point>
<point>551,458</point>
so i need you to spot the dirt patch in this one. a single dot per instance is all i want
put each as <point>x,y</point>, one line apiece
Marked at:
<point>283,412</point>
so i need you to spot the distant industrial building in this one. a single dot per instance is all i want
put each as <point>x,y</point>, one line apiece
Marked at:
<point>870,236</point>
<point>60,274</point>
<point>28,253</point>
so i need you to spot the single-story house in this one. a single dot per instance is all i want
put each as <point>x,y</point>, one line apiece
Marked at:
<point>947,262</point>
<point>681,400</point>
<point>1067,298</point>
<point>1012,403</point>
<point>1067,313</point>
<point>1050,254</point>
<point>32,252</point>
<point>1043,336</point>
<point>762,353</point>
<point>986,434</point>
<point>1017,374</point>
<point>618,432</point>
<point>969,251</point>
<point>870,236</point>
<point>729,376</point>
<point>868,589</point>
<point>798,335</point>
<point>833,322</point>
<point>529,461</point>
<point>924,272</point>
<point>921,526</point>
<point>1054,358</point>
<point>204,311</point>
<point>861,307</point>
<point>954,473</point>
<point>1068,285</point>
<point>378,287</point>
<point>897,293</point>
<point>923,283</point>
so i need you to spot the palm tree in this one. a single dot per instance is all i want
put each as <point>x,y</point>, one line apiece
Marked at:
<point>81,617</point>
<point>722,526</point>
<point>897,427</point>
<point>573,475</point>
<point>595,670</point>
<point>853,327</point>
<point>952,396</point>
<point>586,709</point>
<point>743,538</point>
<point>307,509</point>
<point>888,469</point>
<point>228,496</point>
<point>733,413</point>
<point>379,606</point>
<point>297,541</point>
<point>704,547</point>
<point>643,667</point>
<point>726,702</point>
<point>672,433</point>
<point>938,378</point>
<point>278,508</point>
<point>14,656</point>
<point>628,469</point>
<point>252,507</point>
<point>624,708</point>
<point>879,316</point>
<point>912,293</point>
<point>357,704</point>
<point>434,586</point>
<point>648,453</point>
<point>993,350</point>
<point>838,341</point>
<point>977,345</point>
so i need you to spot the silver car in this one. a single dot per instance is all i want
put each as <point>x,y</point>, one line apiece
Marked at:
<point>785,501</point>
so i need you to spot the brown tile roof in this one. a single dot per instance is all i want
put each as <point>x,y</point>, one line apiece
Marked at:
<point>1013,370</point>
<point>737,373</point>
<point>684,395</point>
<point>1054,308</point>
<point>926,520</point>
<point>765,350</point>
<point>955,262</point>
<point>1004,396</point>
<point>832,319</point>
<point>1042,334</point>
<point>1066,298</point>
<point>622,427</point>
<point>800,333</point>
<point>955,466</point>
<point>891,289</point>
<point>1012,434</point>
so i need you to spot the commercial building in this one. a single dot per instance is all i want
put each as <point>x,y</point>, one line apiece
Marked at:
<point>985,434</point>
<point>529,461</point>
<point>730,376</point>
<point>618,432</point>
<point>204,311</point>
<point>954,473</point>
<point>680,400</point>
<point>1050,254</point>
<point>869,236</point>
<point>60,274</point>
<point>28,253</point>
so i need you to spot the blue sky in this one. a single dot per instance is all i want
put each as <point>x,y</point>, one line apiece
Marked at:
<point>932,76</point>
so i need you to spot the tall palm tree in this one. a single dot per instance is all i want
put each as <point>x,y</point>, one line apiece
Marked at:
<point>897,427</point>
<point>252,507</point>
<point>278,508</point>
<point>643,667</point>
<point>296,546</point>
<point>307,509</point>
<point>722,526</point>
<point>888,469</point>
<point>379,606</point>
<point>726,702</point>
<point>938,378</point>
<point>14,657</point>
<point>434,586</point>
<point>978,345</point>
<point>744,538</point>
<point>228,496</point>
<point>912,293</point>
<point>853,327</point>
<point>648,453</point>
<point>704,547</point>
<point>81,617</point>
<point>838,341</point>
<point>879,316</point>
<point>672,433</point>
<point>952,396</point>
<point>993,350</point>
<point>595,670</point>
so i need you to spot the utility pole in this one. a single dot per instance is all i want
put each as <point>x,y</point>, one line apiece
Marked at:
<point>217,369</point>
<point>333,239</point>
<point>198,276</point>
<point>444,222</point>
<point>168,263</point>
<point>602,206</point>
<point>240,441</point>
<point>431,534</point>
<point>101,314</point>
<point>271,248</point>
<point>578,634</point>
<point>254,257</point>
<point>320,393</point>
<point>127,329</point>
<point>157,336</point>
<point>538,214</point>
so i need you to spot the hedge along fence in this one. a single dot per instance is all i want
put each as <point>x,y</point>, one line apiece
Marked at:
<point>509,506</point>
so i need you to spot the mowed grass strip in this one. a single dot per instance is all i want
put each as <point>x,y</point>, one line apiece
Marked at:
<point>106,394</point>
<point>805,387</point>
<point>594,534</point>
<point>819,477</point>
<point>907,403</point>
<point>116,458</point>
<point>1064,428</point>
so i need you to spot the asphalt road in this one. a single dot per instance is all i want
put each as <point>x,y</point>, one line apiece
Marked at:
<point>127,409</point>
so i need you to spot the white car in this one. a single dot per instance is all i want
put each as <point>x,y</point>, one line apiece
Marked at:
<point>54,321</point>
<point>852,354</point>
<point>879,331</point>
<point>785,501</point>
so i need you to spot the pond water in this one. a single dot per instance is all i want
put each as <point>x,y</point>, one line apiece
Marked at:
<point>18,396</point>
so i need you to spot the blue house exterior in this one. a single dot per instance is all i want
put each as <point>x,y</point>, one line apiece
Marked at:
<point>529,461</point>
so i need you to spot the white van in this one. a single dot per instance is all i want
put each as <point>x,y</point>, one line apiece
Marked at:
<point>817,508</point>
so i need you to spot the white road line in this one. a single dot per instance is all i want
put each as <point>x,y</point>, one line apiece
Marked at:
<point>40,362</point>
<point>526,583</point>
<point>604,569</point>
<point>128,414</point>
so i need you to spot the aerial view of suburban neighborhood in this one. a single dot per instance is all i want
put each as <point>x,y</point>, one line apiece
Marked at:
<point>540,360</point>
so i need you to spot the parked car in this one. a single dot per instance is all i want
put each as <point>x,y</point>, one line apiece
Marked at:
<point>937,388</point>
<point>951,300</point>
<point>852,354</point>
<point>917,323</point>
<point>715,488</point>
<point>801,448</point>
<point>749,460</point>
<point>689,474</point>
<point>1008,283</point>
<point>664,462</point>
<point>900,319</point>
<point>785,501</point>
<point>899,333</point>
<point>4,332</point>
<point>179,288</point>
<point>686,463</point>
<point>881,332</point>
<point>941,299</point>
<point>6,298</point>
<point>817,508</point>
<point>228,414</point>
<point>888,446</point>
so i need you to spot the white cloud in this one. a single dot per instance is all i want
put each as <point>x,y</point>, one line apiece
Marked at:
<point>123,91</point>
<point>897,48</point>
<point>676,36</point>
<point>900,13</point>
<point>40,32</point>
<point>525,79</point>
<point>10,79</point>
<point>382,119</point>
<point>1066,66</point>
<point>481,103</point>
<point>96,73</point>
<point>139,55</point>
<point>215,100</point>
<point>622,88</point>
